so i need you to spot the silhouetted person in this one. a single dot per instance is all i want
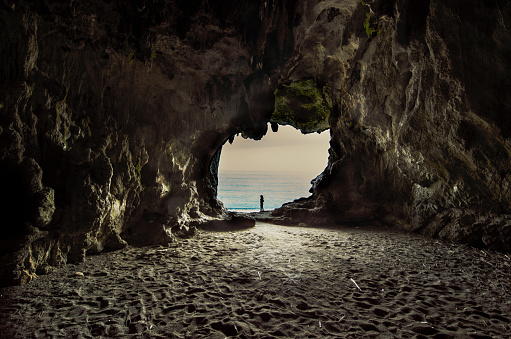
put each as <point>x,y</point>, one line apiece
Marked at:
<point>262,202</point>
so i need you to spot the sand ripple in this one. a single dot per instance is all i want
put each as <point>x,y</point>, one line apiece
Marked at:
<point>272,281</point>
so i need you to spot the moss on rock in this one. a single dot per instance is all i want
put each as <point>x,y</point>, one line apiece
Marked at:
<point>303,105</point>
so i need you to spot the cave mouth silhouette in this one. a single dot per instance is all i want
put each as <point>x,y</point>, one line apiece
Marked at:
<point>280,167</point>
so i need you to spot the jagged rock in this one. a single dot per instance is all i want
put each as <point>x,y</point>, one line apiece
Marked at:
<point>472,228</point>
<point>302,211</point>
<point>409,135</point>
<point>45,207</point>
<point>112,116</point>
<point>303,105</point>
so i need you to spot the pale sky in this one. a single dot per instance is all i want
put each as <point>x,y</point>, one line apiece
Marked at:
<point>286,150</point>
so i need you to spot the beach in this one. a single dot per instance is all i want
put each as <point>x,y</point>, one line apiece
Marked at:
<point>271,281</point>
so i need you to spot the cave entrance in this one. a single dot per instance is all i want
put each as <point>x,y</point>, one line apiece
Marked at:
<point>280,167</point>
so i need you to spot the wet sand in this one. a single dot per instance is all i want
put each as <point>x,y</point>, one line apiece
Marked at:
<point>272,281</point>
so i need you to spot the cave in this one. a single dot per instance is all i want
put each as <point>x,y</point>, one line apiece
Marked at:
<point>112,120</point>
<point>280,166</point>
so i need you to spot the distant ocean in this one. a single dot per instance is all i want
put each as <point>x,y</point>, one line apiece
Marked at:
<point>240,191</point>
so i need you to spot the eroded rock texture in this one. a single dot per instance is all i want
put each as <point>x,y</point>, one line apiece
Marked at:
<point>420,123</point>
<point>112,116</point>
<point>111,113</point>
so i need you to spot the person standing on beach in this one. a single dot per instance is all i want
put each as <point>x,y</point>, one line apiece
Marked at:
<point>261,201</point>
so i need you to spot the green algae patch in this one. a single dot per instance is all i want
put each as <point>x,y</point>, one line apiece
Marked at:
<point>303,105</point>
<point>370,30</point>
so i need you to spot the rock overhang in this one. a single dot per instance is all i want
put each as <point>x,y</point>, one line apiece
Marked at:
<point>116,147</point>
<point>304,104</point>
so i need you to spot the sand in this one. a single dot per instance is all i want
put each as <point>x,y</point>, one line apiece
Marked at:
<point>272,281</point>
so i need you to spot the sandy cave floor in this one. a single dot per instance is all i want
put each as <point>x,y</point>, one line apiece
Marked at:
<point>271,281</point>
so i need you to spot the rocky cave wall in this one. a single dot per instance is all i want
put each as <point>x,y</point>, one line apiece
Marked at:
<point>111,114</point>
<point>420,118</point>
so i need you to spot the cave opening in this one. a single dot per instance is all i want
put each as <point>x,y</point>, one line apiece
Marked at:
<point>280,167</point>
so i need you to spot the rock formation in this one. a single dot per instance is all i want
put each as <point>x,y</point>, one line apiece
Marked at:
<point>420,121</point>
<point>113,114</point>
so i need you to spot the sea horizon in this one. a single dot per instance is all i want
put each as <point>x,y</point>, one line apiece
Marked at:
<point>240,191</point>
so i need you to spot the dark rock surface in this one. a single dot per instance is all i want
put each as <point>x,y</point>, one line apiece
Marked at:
<point>412,141</point>
<point>111,115</point>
